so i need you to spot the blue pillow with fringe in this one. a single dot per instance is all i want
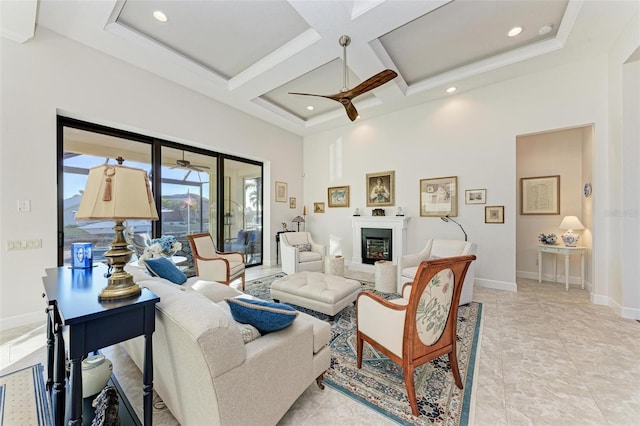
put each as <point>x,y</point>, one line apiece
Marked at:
<point>164,268</point>
<point>265,316</point>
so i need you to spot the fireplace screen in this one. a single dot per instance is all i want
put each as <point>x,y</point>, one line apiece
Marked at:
<point>376,245</point>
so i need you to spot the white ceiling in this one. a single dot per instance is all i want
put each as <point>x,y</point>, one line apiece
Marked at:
<point>250,54</point>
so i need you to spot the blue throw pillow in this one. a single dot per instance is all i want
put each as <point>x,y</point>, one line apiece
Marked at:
<point>163,268</point>
<point>265,316</point>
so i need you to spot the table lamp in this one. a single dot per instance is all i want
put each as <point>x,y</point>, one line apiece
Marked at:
<point>570,223</point>
<point>298,220</point>
<point>118,193</point>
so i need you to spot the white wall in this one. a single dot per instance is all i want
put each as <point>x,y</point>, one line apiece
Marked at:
<point>622,211</point>
<point>52,74</point>
<point>471,135</point>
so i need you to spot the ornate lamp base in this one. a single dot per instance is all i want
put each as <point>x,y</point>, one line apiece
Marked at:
<point>120,284</point>
<point>570,239</point>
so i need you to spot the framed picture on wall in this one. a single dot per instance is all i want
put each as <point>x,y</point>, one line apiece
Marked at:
<point>475,196</point>
<point>439,197</point>
<point>494,214</point>
<point>292,202</point>
<point>318,207</point>
<point>281,192</point>
<point>380,189</point>
<point>338,196</point>
<point>540,195</point>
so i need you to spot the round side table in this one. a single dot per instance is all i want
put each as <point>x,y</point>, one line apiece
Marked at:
<point>385,278</point>
<point>334,265</point>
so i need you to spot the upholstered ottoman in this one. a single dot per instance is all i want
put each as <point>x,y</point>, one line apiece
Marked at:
<point>328,294</point>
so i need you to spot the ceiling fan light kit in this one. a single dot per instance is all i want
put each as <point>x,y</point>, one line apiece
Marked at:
<point>346,95</point>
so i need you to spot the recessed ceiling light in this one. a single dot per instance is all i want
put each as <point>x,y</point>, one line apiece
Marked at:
<point>310,107</point>
<point>545,29</point>
<point>452,89</point>
<point>514,31</point>
<point>160,16</point>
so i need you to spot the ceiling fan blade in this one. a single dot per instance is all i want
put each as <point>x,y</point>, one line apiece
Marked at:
<point>369,84</point>
<point>313,94</point>
<point>352,113</point>
<point>187,175</point>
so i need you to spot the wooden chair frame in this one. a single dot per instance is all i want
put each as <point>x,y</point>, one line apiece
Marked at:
<point>223,259</point>
<point>414,352</point>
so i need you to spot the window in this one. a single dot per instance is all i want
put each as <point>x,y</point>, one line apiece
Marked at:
<point>185,186</point>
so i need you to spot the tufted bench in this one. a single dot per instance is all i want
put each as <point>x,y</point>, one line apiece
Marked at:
<point>328,294</point>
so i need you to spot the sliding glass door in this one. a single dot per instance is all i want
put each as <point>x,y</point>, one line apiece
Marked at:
<point>242,218</point>
<point>186,185</point>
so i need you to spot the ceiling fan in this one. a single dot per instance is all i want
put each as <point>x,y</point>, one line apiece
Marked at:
<point>186,164</point>
<point>346,95</point>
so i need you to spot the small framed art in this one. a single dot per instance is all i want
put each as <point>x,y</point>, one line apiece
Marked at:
<point>338,196</point>
<point>281,192</point>
<point>475,196</point>
<point>540,195</point>
<point>292,202</point>
<point>439,196</point>
<point>380,189</point>
<point>494,214</point>
<point>318,207</point>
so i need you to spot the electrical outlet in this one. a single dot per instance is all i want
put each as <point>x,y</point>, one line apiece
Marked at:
<point>24,206</point>
<point>24,245</point>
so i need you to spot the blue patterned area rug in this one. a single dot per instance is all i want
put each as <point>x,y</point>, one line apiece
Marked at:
<point>379,384</point>
<point>23,398</point>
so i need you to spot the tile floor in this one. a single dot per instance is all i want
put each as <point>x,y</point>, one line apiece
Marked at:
<point>547,357</point>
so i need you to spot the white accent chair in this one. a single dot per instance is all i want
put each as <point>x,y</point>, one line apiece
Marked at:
<point>214,265</point>
<point>408,264</point>
<point>300,253</point>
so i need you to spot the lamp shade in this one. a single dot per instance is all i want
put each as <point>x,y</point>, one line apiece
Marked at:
<point>571,222</point>
<point>297,219</point>
<point>117,192</point>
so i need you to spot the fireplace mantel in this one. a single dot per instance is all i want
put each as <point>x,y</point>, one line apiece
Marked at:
<point>398,224</point>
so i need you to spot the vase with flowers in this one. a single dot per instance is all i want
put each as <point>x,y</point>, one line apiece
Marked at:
<point>549,239</point>
<point>165,246</point>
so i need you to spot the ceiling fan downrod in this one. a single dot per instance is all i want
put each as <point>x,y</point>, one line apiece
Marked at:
<point>344,41</point>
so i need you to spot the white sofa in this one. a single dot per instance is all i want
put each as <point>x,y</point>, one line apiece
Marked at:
<point>295,258</point>
<point>204,371</point>
<point>408,264</point>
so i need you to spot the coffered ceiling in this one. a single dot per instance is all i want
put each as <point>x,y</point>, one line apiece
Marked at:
<point>251,54</point>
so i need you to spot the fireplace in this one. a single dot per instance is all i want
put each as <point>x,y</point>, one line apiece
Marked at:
<point>377,244</point>
<point>396,226</point>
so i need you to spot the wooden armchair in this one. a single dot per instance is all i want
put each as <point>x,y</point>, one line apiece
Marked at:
<point>213,265</point>
<point>415,330</point>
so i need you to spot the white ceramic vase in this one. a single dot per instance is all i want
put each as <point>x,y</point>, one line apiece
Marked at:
<point>96,371</point>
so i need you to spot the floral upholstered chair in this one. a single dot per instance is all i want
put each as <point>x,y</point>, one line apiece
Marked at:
<point>415,330</point>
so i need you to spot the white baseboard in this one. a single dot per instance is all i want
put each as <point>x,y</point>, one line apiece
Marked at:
<point>549,277</point>
<point>496,285</point>
<point>623,311</point>
<point>24,319</point>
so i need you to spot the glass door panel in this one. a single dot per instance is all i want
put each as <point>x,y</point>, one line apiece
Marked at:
<point>188,203</point>
<point>243,209</point>
<point>82,150</point>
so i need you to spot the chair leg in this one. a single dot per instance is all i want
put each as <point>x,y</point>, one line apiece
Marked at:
<point>411,388</point>
<point>359,343</point>
<point>319,381</point>
<point>453,362</point>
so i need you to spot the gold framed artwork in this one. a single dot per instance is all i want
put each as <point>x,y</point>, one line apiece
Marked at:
<point>318,207</point>
<point>475,196</point>
<point>292,202</point>
<point>439,197</point>
<point>281,192</point>
<point>380,189</point>
<point>540,195</point>
<point>494,214</point>
<point>338,196</point>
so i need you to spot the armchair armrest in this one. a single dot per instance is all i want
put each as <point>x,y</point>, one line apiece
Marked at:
<point>410,260</point>
<point>213,269</point>
<point>232,256</point>
<point>382,320</point>
<point>318,248</point>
